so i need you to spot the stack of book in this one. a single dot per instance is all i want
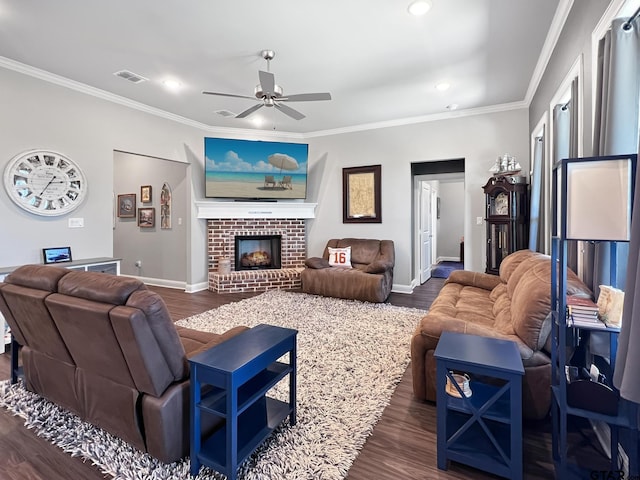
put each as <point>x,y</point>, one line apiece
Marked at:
<point>583,312</point>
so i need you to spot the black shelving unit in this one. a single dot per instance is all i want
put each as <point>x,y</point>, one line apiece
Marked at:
<point>620,413</point>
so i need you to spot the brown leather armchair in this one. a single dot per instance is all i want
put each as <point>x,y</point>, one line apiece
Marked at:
<point>105,348</point>
<point>370,279</point>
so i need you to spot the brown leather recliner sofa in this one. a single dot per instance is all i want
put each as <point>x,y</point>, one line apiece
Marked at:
<point>105,348</point>
<point>370,279</point>
<point>514,306</point>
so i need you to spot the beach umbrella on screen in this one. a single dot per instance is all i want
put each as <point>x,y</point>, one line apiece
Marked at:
<point>283,161</point>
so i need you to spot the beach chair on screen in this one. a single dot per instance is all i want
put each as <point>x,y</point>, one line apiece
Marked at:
<point>286,182</point>
<point>269,181</point>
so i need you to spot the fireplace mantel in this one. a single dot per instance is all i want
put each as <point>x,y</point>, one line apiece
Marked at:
<point>211,209</point>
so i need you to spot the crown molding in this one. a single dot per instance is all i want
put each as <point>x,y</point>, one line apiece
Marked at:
<point>557,24</point>
<point>420,119</point>
<point>110,97</point>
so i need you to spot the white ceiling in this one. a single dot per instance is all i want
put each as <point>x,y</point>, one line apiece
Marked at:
<point>379,63</point>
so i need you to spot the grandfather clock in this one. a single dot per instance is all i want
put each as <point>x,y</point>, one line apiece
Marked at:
<point>506,218</point>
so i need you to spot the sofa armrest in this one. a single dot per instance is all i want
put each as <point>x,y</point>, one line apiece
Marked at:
<point>431,328</point>
<point>474,279</point>
<point>219,339</point>
<point>317,262</point>
<point>378,266</point>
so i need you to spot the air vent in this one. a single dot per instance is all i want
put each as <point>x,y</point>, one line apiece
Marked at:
<point>225,113</point>
<point>132,77</point>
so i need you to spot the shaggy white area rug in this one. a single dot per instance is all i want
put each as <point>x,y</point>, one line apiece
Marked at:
<point>351,355</point>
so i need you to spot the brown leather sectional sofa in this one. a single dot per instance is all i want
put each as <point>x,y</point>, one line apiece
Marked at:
<point>514,305</point>
<point>370,279</point>
<point>105,348</point>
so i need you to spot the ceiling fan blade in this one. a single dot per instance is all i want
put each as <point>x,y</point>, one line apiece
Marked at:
<point>229,95</point>
<point>289,111</point>
<point>306,97</point>
<point>267,82</point>
<point>249,111</point>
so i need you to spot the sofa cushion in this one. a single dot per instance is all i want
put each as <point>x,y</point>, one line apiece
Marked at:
<point>41,277</point>
<point>511,262</point>
<point>502,310</point>
<point>99,287</point>
<point>316,262</point>
<point>379,266</point>
<point>364,251</point>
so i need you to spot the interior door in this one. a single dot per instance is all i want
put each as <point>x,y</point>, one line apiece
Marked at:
<point>425,231</point>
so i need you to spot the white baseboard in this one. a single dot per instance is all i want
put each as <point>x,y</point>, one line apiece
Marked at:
<point>196,287</point>
<point>398,288</point>
<point>447,259</point>
<point>160,282</point>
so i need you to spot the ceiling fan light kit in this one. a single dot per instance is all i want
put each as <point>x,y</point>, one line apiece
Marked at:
<point>272,95</point>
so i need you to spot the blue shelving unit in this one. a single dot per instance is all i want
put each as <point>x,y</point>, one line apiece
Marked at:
<point>230,382</point>
<point>563,336</point>
<point>484,429</point>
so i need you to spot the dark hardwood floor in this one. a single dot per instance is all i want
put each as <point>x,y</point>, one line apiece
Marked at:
<point>402,446</point>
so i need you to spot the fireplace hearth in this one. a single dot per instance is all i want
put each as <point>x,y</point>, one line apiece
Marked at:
<point>221,239</point>
<point>257,252</point>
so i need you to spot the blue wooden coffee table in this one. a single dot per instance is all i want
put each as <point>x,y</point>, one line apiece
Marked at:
<point>483,428</point>
<point>239,372</point>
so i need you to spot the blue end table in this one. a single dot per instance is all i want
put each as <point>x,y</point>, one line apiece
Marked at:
<point>483,429</point>
<point>239,372</point>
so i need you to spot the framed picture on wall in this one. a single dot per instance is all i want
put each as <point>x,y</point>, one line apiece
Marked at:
<point>145,193</point>
<point>127,205</point>
<point>361,196</point>
<point>147,217</point>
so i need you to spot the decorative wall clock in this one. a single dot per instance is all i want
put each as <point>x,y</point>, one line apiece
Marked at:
<point>45,182</point>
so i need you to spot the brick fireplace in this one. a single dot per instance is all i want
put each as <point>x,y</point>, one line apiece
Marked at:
<point>226,221</point>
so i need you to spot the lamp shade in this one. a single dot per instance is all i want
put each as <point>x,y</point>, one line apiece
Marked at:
<point>599,199</point>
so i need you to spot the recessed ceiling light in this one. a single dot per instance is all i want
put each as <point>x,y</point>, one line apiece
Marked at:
<point>442,86</point>
<point>452,106</point>
<point>257,121</point>
<point>172,85</point>
<point>419,7</point>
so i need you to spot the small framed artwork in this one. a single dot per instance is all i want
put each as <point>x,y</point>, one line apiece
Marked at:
<point>145,193</point>
<point>127,205</point>
<point>147,217</point>
<point>165,207</point>
<point>56,255</point>
<point>361,198</point>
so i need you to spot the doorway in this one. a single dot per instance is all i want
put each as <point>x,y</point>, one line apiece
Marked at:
<point>432,223</point>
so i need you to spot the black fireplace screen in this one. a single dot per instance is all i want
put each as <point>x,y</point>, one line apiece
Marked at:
<point>257,252</point>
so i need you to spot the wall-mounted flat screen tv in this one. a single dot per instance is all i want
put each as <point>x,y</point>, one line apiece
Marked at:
<point>252,169</point>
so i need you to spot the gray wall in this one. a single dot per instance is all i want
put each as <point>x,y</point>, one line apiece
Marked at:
<point>39,114</point>
<point>163,252</point>
<point>479,139</point>
<point>574,40</point>
<point>451,223</point>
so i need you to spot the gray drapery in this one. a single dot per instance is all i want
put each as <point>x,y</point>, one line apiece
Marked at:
<point>565,145</point>
<point>538,211</point>
<point>616,132</point>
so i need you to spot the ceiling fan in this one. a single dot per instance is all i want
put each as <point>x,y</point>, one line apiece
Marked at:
<point>272,94</point>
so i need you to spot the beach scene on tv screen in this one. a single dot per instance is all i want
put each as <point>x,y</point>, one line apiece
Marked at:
<point>255,169</point>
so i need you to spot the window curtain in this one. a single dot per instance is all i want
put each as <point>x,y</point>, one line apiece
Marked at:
<point>538,211</point>
<point>617,114</point>
<point>565,145</point>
